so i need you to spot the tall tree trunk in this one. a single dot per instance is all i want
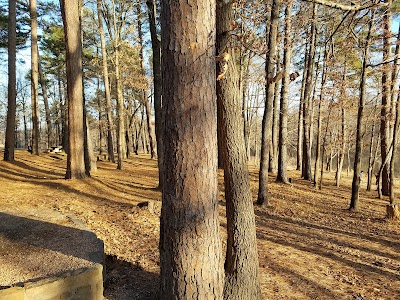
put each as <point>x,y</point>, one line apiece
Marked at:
<point>190,246</point>
<point>150,129</point>
<point>120,108</point>
<point>34,78</point>
<point>372,156</point>
<point>46,104</point>
<point>157,84</point>
<point>12,82</point>
<point>395,100</point>
<point>359,134</point>
<point>300,121</point>
<point>283,120</point>
<point>110,145</point>
<point>307,105</point>
<point>241,265</point>
<point>386,92</point>
<point>342,150</point>
<point>72,29</point>
<point>262,198</point>
<point>318,156</point>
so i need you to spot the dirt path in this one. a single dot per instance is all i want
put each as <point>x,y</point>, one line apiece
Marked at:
<point>310,245</point>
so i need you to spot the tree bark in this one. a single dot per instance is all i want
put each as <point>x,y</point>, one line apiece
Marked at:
<point>157,84</point>
<point>241,264</point>
<point>262,198</point>
<point>150,129</point>
<point>359,134</point>
<point>34,78</point>
<point>110,144</point>
<point>386,96</point>
<point>283,120</point>
<point>307,105</point>
<point>190,246</point>
<point>12,82</point>
<point>72,31</point>
<point>46,104</point>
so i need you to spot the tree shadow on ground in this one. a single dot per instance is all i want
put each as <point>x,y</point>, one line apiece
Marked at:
<point>124,280</point>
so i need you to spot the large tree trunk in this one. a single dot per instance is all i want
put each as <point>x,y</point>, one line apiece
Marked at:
<point>386,96</point>
<point>359,134</point>
<point>190,245</point>
<point>283,120</point>
<point>262,198</point>
<point>157,84</point>
<point>150,129</point>
<point>72,29</point>
<point>395,100</point>
<point>34,78</point>
<point>110,145</point>
<point>12,82</point>
<point>241,265</point>
<point>307,105</point>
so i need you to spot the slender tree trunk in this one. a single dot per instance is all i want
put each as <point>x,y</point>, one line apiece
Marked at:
<point>157,82</point>
<point>110,144</point>
<point>267,118</point>
<point>190,246</point>
<point>386,92</point>
<point>34,78</point>
<point>359,134</point>
<point>307,106</point>
<point>372,157</point>
<point>283,120</point>
<point>120,109</point>
<point>241,265</point>
<point>300,121</point>
<point>342,150</point>
<point>72,29</point>
<point>318,157</point>
<point>46,104</point>
<point>12,82</point>
<point>150,129</point>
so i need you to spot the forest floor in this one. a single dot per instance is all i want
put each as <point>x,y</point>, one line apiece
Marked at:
<point>310,246</point>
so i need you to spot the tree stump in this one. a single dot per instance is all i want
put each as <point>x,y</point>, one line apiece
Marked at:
<point>393,211</point>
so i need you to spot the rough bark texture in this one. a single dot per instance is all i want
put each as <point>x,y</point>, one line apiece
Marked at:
<point>34,78</point>
<point>12,82</point>
<point>241,264</point>
<point>72,31</point>
<point>110,145</point>
<point>157,82</point>
<point>283,120</point>
<point>396,105</point>
<point>262,198</point>
<point>355,187</point>
<point>386,92</point>
<point>190,246</point>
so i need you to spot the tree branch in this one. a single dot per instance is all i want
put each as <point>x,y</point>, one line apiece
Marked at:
<point>348,7</point>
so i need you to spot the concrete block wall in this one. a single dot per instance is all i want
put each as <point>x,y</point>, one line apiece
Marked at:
<point>82,284</point>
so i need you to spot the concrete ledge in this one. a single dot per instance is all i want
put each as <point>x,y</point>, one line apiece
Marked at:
<point>46,255</point>
<point>85,284</point>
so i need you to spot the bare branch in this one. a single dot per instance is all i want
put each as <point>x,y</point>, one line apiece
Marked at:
<point>345,7</point>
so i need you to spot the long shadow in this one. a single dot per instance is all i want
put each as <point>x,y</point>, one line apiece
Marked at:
<point>262,214</point>
<point>31,235</point>
<point>59,186</point>
<point>329,239</point>
<point>356,265</point>
<point>124,280</point>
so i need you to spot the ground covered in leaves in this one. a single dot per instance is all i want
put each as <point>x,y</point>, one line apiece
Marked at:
<point>310,246</point>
